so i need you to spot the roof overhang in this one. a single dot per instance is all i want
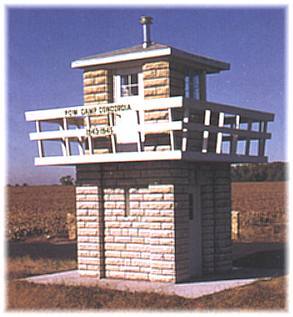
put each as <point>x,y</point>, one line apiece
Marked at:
<point>121,58</point>
<point>213,65</point>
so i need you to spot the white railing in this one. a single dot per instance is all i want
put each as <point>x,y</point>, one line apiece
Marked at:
<point>156,129</point>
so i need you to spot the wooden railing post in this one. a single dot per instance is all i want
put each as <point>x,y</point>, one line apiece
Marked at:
<point>207,122</point>
<point>171,131</point>
<point>235,136</point>
<point>141,120</point>
<point>63,147</point>
<point>139,132</point>
<point>262,141</point>
<point>220,134</point>
<point>111,123</point>
<point>67,144</point>
<point>247,144</point>
<point>185,130</point>
<point>39,142</point>
<point>90,142</point>
<point>80,143</point>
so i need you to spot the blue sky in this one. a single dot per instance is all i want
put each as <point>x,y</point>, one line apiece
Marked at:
<point>41,43</point>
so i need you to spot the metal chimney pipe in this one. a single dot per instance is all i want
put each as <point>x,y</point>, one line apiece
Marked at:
<point>146,22</point>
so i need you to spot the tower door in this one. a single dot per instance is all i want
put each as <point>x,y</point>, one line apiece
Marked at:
<point>195,248</point>
<point>128,88</point>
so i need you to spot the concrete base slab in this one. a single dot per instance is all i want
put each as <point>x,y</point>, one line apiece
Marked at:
<point>188,290</point>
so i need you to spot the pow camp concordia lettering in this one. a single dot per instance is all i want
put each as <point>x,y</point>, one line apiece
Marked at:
<point>96,110</point>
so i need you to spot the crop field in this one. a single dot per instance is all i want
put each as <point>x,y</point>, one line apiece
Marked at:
<point>38,210</point>
<point>41,210</point>
<point>268,197</point>
<point>262,207</point>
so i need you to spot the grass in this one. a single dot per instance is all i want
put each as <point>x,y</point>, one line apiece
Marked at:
<point>261,295</point>
<point>25,266</point>
<point>22,295</point>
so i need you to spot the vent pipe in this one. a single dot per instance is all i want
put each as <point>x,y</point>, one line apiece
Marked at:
<point>146,22</point>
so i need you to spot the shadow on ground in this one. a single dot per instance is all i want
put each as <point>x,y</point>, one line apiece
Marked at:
<point>253,260</point>
<point>259,255</point>
<point>61,250</point>
<point>250,260</point>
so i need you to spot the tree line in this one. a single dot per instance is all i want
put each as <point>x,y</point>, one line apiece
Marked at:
<point>275,171</point>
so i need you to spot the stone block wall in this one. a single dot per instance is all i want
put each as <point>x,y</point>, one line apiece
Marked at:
<point>156,79</point>
<point>215,193</point>
<point>137,242</point>
<point>97,85</point>
<point>98,88</point>
<point>156,85</point>
<point>90,231</point>
<point>215,207</point>
<point>149,239</point>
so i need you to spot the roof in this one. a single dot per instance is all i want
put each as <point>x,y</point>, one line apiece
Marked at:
<point>154,50</point>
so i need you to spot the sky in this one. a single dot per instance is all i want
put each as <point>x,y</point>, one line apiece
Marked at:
<point>42,42</point>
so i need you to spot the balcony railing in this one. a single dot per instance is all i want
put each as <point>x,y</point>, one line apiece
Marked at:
<point>156,129</point>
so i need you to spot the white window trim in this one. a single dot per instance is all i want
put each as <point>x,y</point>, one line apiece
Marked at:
<point>117,85</point>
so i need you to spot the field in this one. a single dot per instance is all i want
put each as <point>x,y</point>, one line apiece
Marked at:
<point>35,211</point>
<point>38,211</point>
<point>267,197</point>
<point>37,234</point>
<point>262,207</point>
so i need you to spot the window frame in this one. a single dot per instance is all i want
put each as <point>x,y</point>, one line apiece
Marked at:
<point>129,85</point>
<point>117,84</point>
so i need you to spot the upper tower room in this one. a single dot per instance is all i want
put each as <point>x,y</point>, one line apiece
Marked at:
<point>144,71</point>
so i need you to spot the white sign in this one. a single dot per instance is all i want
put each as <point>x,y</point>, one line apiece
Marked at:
<point>126,127</point>
<point>96,110</point>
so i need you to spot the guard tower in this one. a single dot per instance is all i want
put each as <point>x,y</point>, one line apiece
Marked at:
<point>152,159</point>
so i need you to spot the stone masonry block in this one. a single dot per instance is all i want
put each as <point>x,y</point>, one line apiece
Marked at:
<point>137,247</point>
<point>115,246</point>
<point>161,189</point>
<point>162,278</point>
<point>86,190</point>
<point>156,65</point>
<point>156,82</point>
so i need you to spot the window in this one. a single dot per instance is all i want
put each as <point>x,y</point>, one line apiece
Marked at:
<point>129,85</point>
<point>191,86</point>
